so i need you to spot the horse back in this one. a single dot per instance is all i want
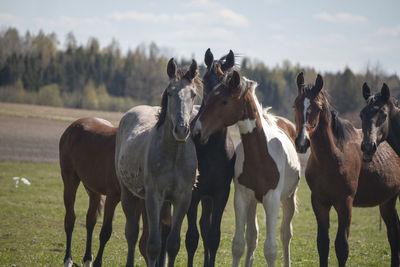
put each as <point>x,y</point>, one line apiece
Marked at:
<point>86,149</point>
<point>287,127</point>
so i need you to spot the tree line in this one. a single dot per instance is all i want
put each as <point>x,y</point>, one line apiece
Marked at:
<point>35,69</point>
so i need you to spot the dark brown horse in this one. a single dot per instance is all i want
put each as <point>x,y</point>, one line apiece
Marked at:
<point>87,149</point>
<point>380,121</point>
<point>337,175</point>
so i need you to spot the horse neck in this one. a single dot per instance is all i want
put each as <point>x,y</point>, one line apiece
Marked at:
<point>165,139</point>
<point>322,139</point>
<point>394,131</point>
<point>252,131</point>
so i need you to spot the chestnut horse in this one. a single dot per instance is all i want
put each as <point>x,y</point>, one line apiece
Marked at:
<point>87,149</point>
<point>380,121</point>
<point>155,159</point>
<point>337,175</point>
<point>216,161</point>
<point>267,168</point>
<point>87,154</point>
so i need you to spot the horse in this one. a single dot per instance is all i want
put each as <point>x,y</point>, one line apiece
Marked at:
<point>380,121</point>
<point>267,167</point>
<point>87,154</point>
<point>155,159</point>
<point>216,167</point>
<point>87,149</point>
<point>337,175</point>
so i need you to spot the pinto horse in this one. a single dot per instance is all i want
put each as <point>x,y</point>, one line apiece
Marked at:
<point>155,159</point>
<point>216,161</point>
<point>380,121</point>
<point>267,168</point>
<point>337,175</point>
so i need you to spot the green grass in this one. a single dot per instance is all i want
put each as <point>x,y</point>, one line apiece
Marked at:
<point>32,231</point>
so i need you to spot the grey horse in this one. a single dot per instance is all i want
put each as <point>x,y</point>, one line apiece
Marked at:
<point>155,159</point>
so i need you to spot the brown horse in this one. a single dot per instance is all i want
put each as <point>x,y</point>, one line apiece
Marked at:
<point>87,149</point>
<point>337,175</point>
<point>380,121</point>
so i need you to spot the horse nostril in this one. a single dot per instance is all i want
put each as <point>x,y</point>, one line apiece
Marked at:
<point>374,147</point>
<point>363,146</point>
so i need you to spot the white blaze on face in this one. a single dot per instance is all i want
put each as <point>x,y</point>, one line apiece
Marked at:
<point>306,105</point>
<point>246,126</point>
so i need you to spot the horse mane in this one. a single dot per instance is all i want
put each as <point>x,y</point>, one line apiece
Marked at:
<point>341,128</point>
<point>180,74</point>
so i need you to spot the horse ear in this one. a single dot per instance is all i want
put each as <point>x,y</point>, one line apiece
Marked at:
<point>208,57</point>
<point>319,83</point>
<point>300,81</point>
<point>234,83</point>
<point>366,91</point>
<point>385,92</point>
<point>193,70</point>
<point>229,61</point>
<point>171,68</point>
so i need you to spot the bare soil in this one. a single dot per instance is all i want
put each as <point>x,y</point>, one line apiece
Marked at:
<point>31,133</point>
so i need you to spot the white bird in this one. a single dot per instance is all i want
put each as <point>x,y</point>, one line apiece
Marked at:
<point>25,181</point>
<point>16,181</point>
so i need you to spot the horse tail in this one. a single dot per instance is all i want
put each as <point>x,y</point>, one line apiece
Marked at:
<point>100,208</point>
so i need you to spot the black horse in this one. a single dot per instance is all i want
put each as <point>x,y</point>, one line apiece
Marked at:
<point>216,161</point>
<point>380,121</point>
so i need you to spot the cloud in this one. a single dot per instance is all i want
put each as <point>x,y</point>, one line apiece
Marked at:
<point>155,18</point>
<point>389,31</point>
<point>232,18</point>
<point>219,13</point>
<point>10,19</point>
<point>341,18</point>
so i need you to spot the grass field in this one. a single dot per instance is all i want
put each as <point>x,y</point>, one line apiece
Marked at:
<point>32,231</point>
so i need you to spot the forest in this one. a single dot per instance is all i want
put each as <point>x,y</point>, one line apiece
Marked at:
<point>36,69</point>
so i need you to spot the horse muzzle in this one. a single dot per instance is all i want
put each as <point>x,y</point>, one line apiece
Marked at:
<point>181,132</point>
<point>302,144</point>
<point>368,149</point>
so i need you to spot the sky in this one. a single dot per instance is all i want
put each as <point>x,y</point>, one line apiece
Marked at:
<point>326,35</point>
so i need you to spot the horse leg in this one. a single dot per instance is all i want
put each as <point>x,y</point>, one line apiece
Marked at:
<point>271,203</point>
<point>181,207</point>
<point>344,210</point>
<point>251,233</point>
<point>214,233</point>
<point>71,183</point>
<point>205,222</point>
<point>391,219</point>
<point>242,200</point>
<point>145,231</point>
<point>321,212</point>
<point>153,207</point>
<point>106,229</point>
<point>165,225</point>
<point>288,208</point>
<point>91,217</point>
<point>192,234</point>
<point>129,206</point>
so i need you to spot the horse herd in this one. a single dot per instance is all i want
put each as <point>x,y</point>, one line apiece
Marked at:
<point>181,154</point>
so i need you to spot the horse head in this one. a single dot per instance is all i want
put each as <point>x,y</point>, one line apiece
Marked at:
<point>375,119</point>
<point>308,106</point>
<point>178,99</point>
<point>225,106</point>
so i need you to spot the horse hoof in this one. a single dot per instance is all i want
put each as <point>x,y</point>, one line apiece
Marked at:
<point>88,263</point>
<point>68,263</point>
